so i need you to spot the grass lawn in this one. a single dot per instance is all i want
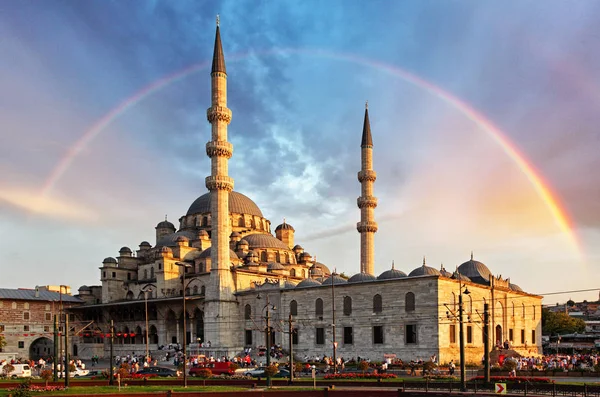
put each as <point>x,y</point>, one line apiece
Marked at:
<point>80,390</point>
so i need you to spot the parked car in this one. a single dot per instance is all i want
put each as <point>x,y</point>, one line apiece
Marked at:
<point>256,372</point>
<point>19,371</point>
<point>75,374</point>
<point>93,374</point>
<point>158,371</point>
<point>283,373</point>
<point>216,368</point>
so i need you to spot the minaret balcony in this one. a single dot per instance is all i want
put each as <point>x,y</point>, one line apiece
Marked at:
<point>367,175</point>
<point>219,182</point>
<point>218,113</point>
<point>367,202</point>
<point>366,227</point>
<point>219,149</point>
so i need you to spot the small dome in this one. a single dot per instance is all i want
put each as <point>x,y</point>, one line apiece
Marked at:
<point>336,280</point>
<point>308,282</point>
<point>320,279</point>
<point>361,278</point>
<point>202,233</point>
<point>126,250</point>
<point>182,239</point>
<point>476,271</point>
<point>285,226</point>
<point>166,250</point>
<point>424,270</point>
<point>165,224</point>
<point>145,244</point>
<point>305,257</point>
<point>298,247</point>
<point>391,274</point>
<point>84,288</point>
<point>515,287</point>
<point>319,265</point>
<point>445,272</point>
<point>206,254</point>
<point>241,243</point>
<point>262,240</point>
<point>458,276</point>
<point>252,254</point>
<point>315,271</point>
<point>110,259</point>
<point>234,234</point>
<point>275,266</point>
<point>288,285</point>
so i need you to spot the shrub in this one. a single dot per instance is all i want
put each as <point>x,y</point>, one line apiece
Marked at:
<point>429,366</point>
<point>271,370</point>
<point>46,375</point>
<point>357,375</point>
<point>363,366</point>
<point>7,369</point>
<point>234,367</point>
<point>298,367</point>
<point>203,373</point>
<point>23,390</point>
<point>509,364</point>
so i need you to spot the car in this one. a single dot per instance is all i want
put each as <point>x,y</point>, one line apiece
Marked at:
<point>19,371</point>
<point>94,374</point>
<point>158,371</point>
<point>256,372</point>
<point>283,373</point>
<point>216,368</point>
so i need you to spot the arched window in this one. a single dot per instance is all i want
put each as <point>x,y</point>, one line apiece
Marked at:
<point>145,274</point>
<point>523,310</point>
<point>293,272</point>
<point>152,272</point>
<point>377,304</point>
<point>347,305</point>
<point>409,302</point>
<point>513,309</point>
<point>204,221</point>
<point>241,222</point>
<point>247,312</point>
<point>202,290</point>
<point>129,296</point>
<point>454,302</point>
<point>195,290</point>
<point>319,307</point>
<point>263,256</point>
<point>294,308</point>
<point>533,308</point>
<point>470,305</point>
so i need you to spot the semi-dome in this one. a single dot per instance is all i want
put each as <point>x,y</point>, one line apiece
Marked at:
<point>285,226</point>
<point>206,254</point>
<point>165,224</point>
<point>476,271</point>
<point>361,278</point>
<point>110,259</point>
<point>336,280</point>
<point>515,287</point>
<point>391,274</point>
<point>238,204</point>
<point>261,240</point>
<point>125,250</point>
<point>308,282</point>
<point>275,266</point>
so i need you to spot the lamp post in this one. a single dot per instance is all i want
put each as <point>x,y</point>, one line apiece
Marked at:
<point>333,321</point>
<point>198,340</point>
<point>268,336</point>
<point>60,321</point>
<point>463,383</point>
<point>146,291</point>
<point>185,266</point>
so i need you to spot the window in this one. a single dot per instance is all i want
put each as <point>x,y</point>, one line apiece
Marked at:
<point>377,304</point>
<point>348,336</point>
<point>103,274</point>
<point>202,290</point>
<point>152,272</point>
<point>247,312</point>
<point>46,328</point>
<point>248,338</point>
<point>510,335</point>
<point>533,307</point>
<point>411,334</point>
<point>409,302</point>
<point>295,336</point>
<point>21,344</point>
<point>293,272</point>
<point>128,276</point>
<point>320,337</point>
<point>377,334</point>
<point>452,333</point>
<point>319,307</point>
<point>14,305</point>
<point>114,275</point>
<point>48,316</point>
<point>533,336</point>
<point>195,290</point>
<point>26,328</point>
<point>347,305</point>
<point>513,309</point>
<point>160,266</point>
<point>469,334</point>
<point>1,327</point>
<point>294,308</point>
<point>26,305</point>
<point>522,336</point>
<point>26,316</point>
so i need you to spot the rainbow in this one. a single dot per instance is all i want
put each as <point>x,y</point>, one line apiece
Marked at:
<point>541,187</point>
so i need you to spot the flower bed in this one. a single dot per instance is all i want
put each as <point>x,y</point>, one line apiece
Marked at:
<point>360,375</point>
<point>516,379</point>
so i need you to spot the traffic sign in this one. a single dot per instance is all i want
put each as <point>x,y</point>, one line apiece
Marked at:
<point>500,388</point>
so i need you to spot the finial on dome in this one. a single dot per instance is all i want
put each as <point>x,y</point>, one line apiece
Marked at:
<point>165,217</point>
<point>284,221</point>
<point>217,19</point>
<point>442,266</point>
<point>423,260</point>
<point>471,255</point>
<point>392,265</point>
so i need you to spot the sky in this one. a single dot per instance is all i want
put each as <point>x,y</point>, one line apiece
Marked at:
<point>483,114</point>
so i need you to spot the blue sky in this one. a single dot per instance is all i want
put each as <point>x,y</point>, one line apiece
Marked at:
<point>299,74</point>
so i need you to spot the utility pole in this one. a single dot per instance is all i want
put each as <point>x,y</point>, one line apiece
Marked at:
<point>291,330</point>
<point>55,359</point>
<point>333,321</point>
<point>111,375</point>
<point>67,350</point>
<point>486,343</point>
<point>268,333</point>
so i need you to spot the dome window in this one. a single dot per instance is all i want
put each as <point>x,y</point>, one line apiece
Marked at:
<point>377,304</point>
<point>409,302</point>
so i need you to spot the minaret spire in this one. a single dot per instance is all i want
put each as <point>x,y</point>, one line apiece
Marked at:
<point>218,64</point>
<point>367,202</point>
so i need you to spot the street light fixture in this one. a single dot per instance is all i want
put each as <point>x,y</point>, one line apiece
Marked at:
<point>268,336</point>
<point>463,382</point>
<point>185,266</point>
<point>146,291</point>
<point>333,320</point>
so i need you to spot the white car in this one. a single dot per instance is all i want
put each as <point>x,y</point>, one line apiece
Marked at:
<point>75,374</point>
<point>19,371</point>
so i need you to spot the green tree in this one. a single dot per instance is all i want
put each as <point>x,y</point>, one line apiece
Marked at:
<point>560,323</point>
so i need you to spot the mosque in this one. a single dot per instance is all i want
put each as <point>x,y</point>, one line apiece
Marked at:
<point>222,283</point>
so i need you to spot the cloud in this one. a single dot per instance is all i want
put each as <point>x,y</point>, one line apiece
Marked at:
<point>32,203</point>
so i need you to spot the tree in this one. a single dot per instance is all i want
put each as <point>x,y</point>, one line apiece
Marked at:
<point>46,375</point>
<point>560,323</point>
<point>7,369</point>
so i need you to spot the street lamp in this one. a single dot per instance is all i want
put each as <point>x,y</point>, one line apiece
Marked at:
<point>198,340</point>
<point>463,382</point>
<point>185,266</point>
<point>146,291</point>
<point>268,336</point>
<point>333,320</point>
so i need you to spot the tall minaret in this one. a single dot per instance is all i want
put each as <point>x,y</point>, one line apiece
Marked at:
<point>220,308</point>
<point>367,202</point>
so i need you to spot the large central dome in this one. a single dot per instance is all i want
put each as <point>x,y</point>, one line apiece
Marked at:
<point>238,204</point>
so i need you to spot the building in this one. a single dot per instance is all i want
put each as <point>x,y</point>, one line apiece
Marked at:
<point>27,318</point>
<point>237,277</point>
